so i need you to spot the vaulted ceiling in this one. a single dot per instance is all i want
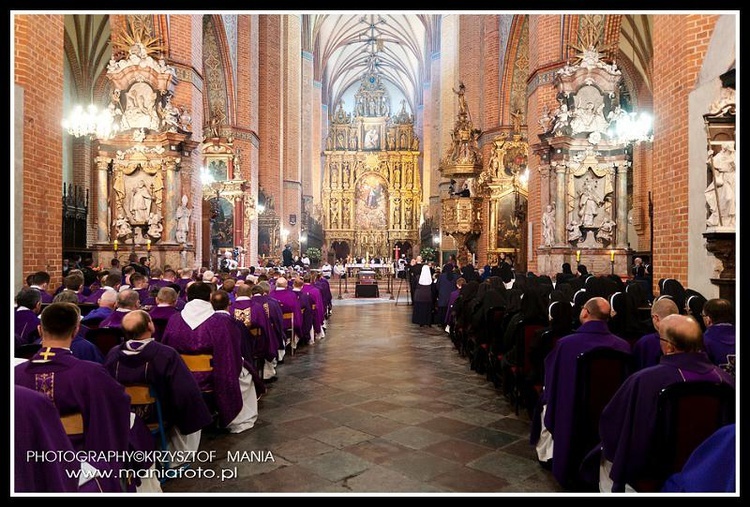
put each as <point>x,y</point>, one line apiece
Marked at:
<point>346,45</point>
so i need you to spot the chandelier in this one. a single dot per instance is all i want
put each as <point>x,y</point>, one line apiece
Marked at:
<point>90,122</point>
<point>632,128</point>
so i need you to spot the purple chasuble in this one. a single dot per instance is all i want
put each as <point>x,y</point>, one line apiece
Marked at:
<point>219,337</point>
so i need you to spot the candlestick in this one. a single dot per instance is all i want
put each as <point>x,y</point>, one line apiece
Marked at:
<point>114,245</point>
<point>578,256</point>
<point>148,245</point>
<point>611,256</point>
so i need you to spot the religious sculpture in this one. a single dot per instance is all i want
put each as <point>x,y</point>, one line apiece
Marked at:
<point>155,226</point>
<point>170,115</point>
<point>371,138</point>
<point>548,226</point>
<point>574,230</point>
<point>588,203</point>
<point>606,230</point>
<point>720,193</point>
<point>183,221</point>
<point>140,203</point>
<point>123,227</point>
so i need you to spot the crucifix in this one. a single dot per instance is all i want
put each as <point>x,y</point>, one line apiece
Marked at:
<point>396,249</point>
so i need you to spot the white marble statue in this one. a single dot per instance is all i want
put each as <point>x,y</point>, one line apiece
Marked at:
<point>548,226</point>
<point>720,193</point>
<point>140,203</point>
<point>183,221</point>
<point>123,227</point>
<point>588,203</point>
<point>574,230</point>
<point>606,230</point>
<point>155,226</point>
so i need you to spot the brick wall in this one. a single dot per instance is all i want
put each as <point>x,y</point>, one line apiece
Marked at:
<point>38,69</point>
<point>680,45</point>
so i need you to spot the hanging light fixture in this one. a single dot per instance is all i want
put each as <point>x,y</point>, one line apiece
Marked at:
<point>632,128</point>
<point>91,122</point>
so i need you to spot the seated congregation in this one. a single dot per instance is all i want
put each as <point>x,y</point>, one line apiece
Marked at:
<point>148,362</point>
<point>605,374</point>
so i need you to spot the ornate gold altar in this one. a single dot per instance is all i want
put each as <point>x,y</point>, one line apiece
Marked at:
<point>507,192</point>
<point>371,185</point>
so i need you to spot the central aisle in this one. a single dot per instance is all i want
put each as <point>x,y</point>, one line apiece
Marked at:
<point>380,405</point>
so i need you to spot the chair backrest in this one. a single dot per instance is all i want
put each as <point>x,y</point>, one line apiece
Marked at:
<point>528,332</point>
<point>73,423</point>
<point>599,374</point>
<point>105,338</point>
<point>198,362</point>
<point>27,350</point>
<point>159,326</point>
<point>687,414</point>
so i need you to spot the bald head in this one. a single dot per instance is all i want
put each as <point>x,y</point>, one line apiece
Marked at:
<point>662,308</point>
<point>597,308</point>
<point>281,283</point>
<point>137,325</point>
<point>128,299</point>
<point>682,334</point>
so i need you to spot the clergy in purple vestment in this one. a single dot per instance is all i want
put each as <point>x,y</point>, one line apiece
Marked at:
<point>26,316</point>
<point>40,281</point>
<point>198,330</point>
<point>325,290</point>
<point>163,310</point>
<point>250,333</point>
<point>143,360</point>
<point>289,304</point>
<point>251,313</point>
<point>719,337</point>
<point>647,350</point>
<point>111,283</point>
<point>38,429</point>
<point>107,301</point>
<point>628,422</point>
<point>552,425</point>
<point>127,301</point>
<point>80,346</point>
<point>306,308</point>
<point>319,309</point>
<point>449,314</point>
<point>275,314</point>
<point>84,387</point>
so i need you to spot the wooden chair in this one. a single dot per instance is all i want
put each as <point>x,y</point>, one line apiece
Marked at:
<point>687,414</point>
<point>288,330</point>
<point>524,336</point>
<point>105,338</point>
<point>73,423</point>
<point>160,325</point>
<point>145,403</point>
<point>599,374</point>
<point>202,363</point>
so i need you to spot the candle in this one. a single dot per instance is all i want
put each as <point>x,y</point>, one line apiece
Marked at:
<point>115,245</point>
<point>611,256</point>
<point>578,255</point>
<point>148,244</point>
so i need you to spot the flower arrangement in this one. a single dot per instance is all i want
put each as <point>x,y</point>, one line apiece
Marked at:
<point>314,253</point>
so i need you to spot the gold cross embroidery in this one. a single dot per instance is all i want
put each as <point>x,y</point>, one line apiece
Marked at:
<point>48,352</point>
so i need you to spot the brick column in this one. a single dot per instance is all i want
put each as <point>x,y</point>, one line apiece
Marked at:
<point>38,41</point>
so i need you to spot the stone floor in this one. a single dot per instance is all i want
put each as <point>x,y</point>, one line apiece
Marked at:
<point>379,406</point>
